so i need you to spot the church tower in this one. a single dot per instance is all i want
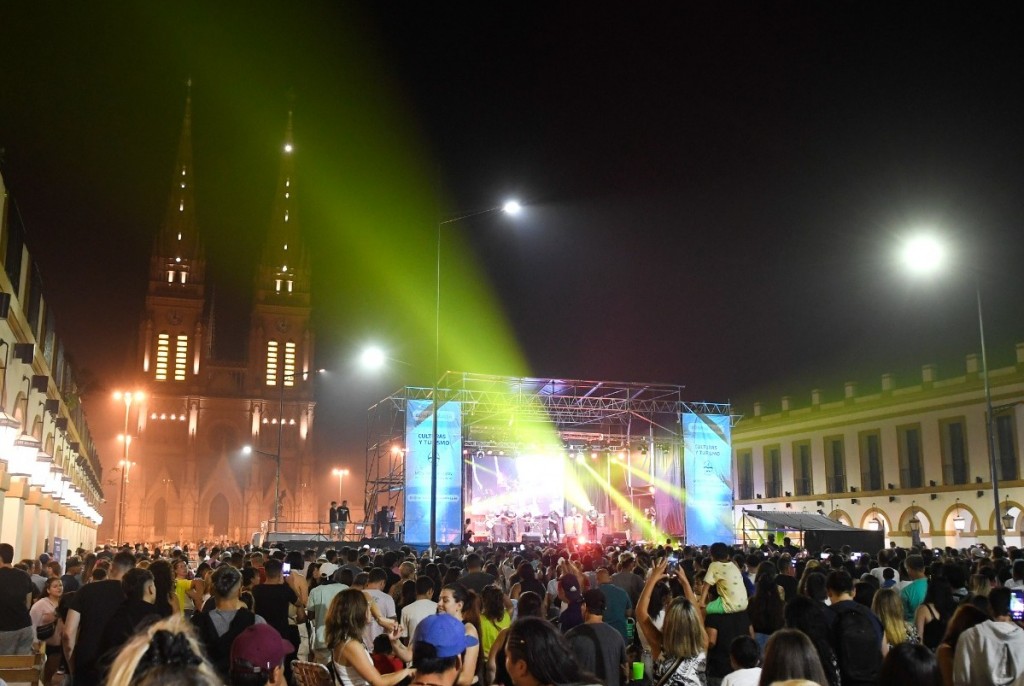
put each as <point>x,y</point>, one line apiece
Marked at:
<point>281,345</point>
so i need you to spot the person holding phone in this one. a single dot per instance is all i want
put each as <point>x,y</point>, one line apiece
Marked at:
<point>989,653</point>
<point>271,601</point>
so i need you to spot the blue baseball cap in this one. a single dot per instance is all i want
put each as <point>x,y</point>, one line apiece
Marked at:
<point>445,633</point>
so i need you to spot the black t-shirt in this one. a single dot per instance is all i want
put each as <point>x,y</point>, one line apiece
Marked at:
<point>477,581</point>
<point>271,603</point>
<point>729,626</point>
<point>788,586</point>
<point>332,515</point>
<point>600,650</point>
<point>96,602</point>
<point>342,513</point>
<point>15,586</point>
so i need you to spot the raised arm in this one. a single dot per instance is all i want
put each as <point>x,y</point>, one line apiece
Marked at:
<point>643,619</point>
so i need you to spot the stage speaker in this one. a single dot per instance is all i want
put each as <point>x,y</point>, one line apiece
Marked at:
<point>614,538</point>
<point>381,543</point>
<point>531,538</point>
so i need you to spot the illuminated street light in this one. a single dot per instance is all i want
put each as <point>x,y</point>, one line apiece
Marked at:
<point>373,358</point>
<point>924,255</point>
<point>127,397</point>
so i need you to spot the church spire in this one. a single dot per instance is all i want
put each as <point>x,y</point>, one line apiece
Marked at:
<point>284,270</point>
<point>177,255</point>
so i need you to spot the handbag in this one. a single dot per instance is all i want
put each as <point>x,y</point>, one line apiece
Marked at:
<point>46,631</point>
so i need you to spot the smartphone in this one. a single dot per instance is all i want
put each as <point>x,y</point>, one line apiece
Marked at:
<point>825,556</point>
<point>673,564</point>
<point>1017,605</point>
<point>286,568</point>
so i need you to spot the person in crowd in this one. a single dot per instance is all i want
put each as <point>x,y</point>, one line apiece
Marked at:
<point>538,655</point>
<point>530,605</point>
<point>493,617</point>
<point>257,657</point>
<point>991,652</point>
<point>786,578</point>
<point>721,630</point>
<point>383,655</point>
<point>527,582</point>
<point>182,587</point>
<point>137,610</point>
<point>864,591</point>
<point>618,608</point>
<point>71,579</point>
<point>382,605</point>
<point>271,601</point>
<point>679,648</point>
<point>914,592</point>
<point>910,663</point>
<point>460,603</point>
<point>791,655</point>
<point>964,618</point>
<point>17,634</point>
<point>808,615</point>
<point>766,607</point>
<point>164,653</point>
<point>220,626</point>
<point>423,607</point>
<point>888,607</point>
<point>166,597</point>
<point>934,613</point>
<point>320,598</point>
<point>598,647</point>
<point>95,603</point>
<point>475,579</point>
<point>437,649</point>
<point>344,631</point>
<point>856,632</point>
<point>48,625</point>
<point>727,579</point>
<point>744,656</point>
<point>571,595</point>
<point>627,579</point>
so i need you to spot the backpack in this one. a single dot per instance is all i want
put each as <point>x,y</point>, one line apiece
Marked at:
<point>218,648</point>
<point>858,648</point>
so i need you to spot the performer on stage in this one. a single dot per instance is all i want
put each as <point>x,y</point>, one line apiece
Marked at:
<point>652,518</point>
<point>554,525</point>
<point>627,525</point>
<point>343,517</point>
<point>332,518</point>
<point>577,519</point>
<point>592,518</point>
<point>467,533</point>
<point>491,525</point>
<point>508,519</point>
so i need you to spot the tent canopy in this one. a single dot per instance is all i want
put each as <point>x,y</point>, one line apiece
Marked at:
<point>797,521</point>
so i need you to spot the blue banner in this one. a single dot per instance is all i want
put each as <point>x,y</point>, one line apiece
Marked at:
<point>419,445</point>
<point>707,454</point>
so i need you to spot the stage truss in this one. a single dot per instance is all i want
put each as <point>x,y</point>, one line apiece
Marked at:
<point>587,415</point>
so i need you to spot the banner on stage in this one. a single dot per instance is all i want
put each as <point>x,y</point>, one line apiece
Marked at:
<point>419,445</point>
<point>707,455</point>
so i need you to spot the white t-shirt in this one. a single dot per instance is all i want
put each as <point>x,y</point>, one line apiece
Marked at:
<point>743,677</point>
<point>877,573</point>
<point>386,605</point>
<point>414,613</point>
<point>319,603</point>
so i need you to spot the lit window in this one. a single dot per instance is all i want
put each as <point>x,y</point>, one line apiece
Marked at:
<point>289,364</point>
<point>170,276</point>
<point>181,206</point>
<point>277,285</point>
<point>289,285</point>
<point>271,363</point>
<point>183,277</point>
<point>162,350</point>
<point>181,357</point>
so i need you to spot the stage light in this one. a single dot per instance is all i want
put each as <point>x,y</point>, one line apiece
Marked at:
<point>923,254</point>
<point>512,208</point>
<point>593,455</point>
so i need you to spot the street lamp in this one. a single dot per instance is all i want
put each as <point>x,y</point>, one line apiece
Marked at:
<point>127,397</point>
<point>924,254</point>
<point>341,474</point>
<point>511,208</point>
<point>959,523</point>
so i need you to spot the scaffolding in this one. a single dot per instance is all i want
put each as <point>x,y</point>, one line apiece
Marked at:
<point>592,415</point>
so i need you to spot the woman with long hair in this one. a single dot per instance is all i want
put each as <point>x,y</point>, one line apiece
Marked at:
<point>888,607</point>
<point>536,654</point>
<point>530,605</point>
<point>493,617</point>
<point>766,607</point>
<point>527,582</point>
<point>44,614</point>
<point>680,647</point>
<point>459,602</point>
<point>791,655</point>
<point>808,616</point>
<point>964,618</point>
<point>351,664</point>
<point>166,599</point>
<point>933,614</point>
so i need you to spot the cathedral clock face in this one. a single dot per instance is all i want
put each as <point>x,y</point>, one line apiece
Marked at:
<point>282,325</point>
<point>173,317</point>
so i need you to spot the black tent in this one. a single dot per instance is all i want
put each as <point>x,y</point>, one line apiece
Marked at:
<point>819,531</point>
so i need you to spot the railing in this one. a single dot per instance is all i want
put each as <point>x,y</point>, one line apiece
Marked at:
<point>802,486</point>
<point>871,481</point>
<point>912,477</point>
<point>955,474</point>
<point>772,489</point>
<point>836,483</point>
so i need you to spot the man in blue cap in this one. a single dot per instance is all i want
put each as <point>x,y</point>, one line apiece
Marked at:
<point>437,648</point>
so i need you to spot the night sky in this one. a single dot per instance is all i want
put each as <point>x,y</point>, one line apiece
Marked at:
<point>716,194</point>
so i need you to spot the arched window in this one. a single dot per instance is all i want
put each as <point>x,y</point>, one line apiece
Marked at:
<point>160,518</point>
<point>219,512</point>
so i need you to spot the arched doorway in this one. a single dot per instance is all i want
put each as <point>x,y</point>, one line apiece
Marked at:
<point>219,512</point>
<point>160,518</point>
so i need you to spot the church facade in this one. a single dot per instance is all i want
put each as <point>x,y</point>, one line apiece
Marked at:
<point>210,435</point>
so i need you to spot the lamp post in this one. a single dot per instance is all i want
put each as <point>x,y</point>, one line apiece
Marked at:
<point>511,208</point>
<point>127,397</point>
<point>923,255</point>
<point>341,474</point>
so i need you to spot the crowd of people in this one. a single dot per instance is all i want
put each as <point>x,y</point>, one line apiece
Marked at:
<point>519,615</point>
